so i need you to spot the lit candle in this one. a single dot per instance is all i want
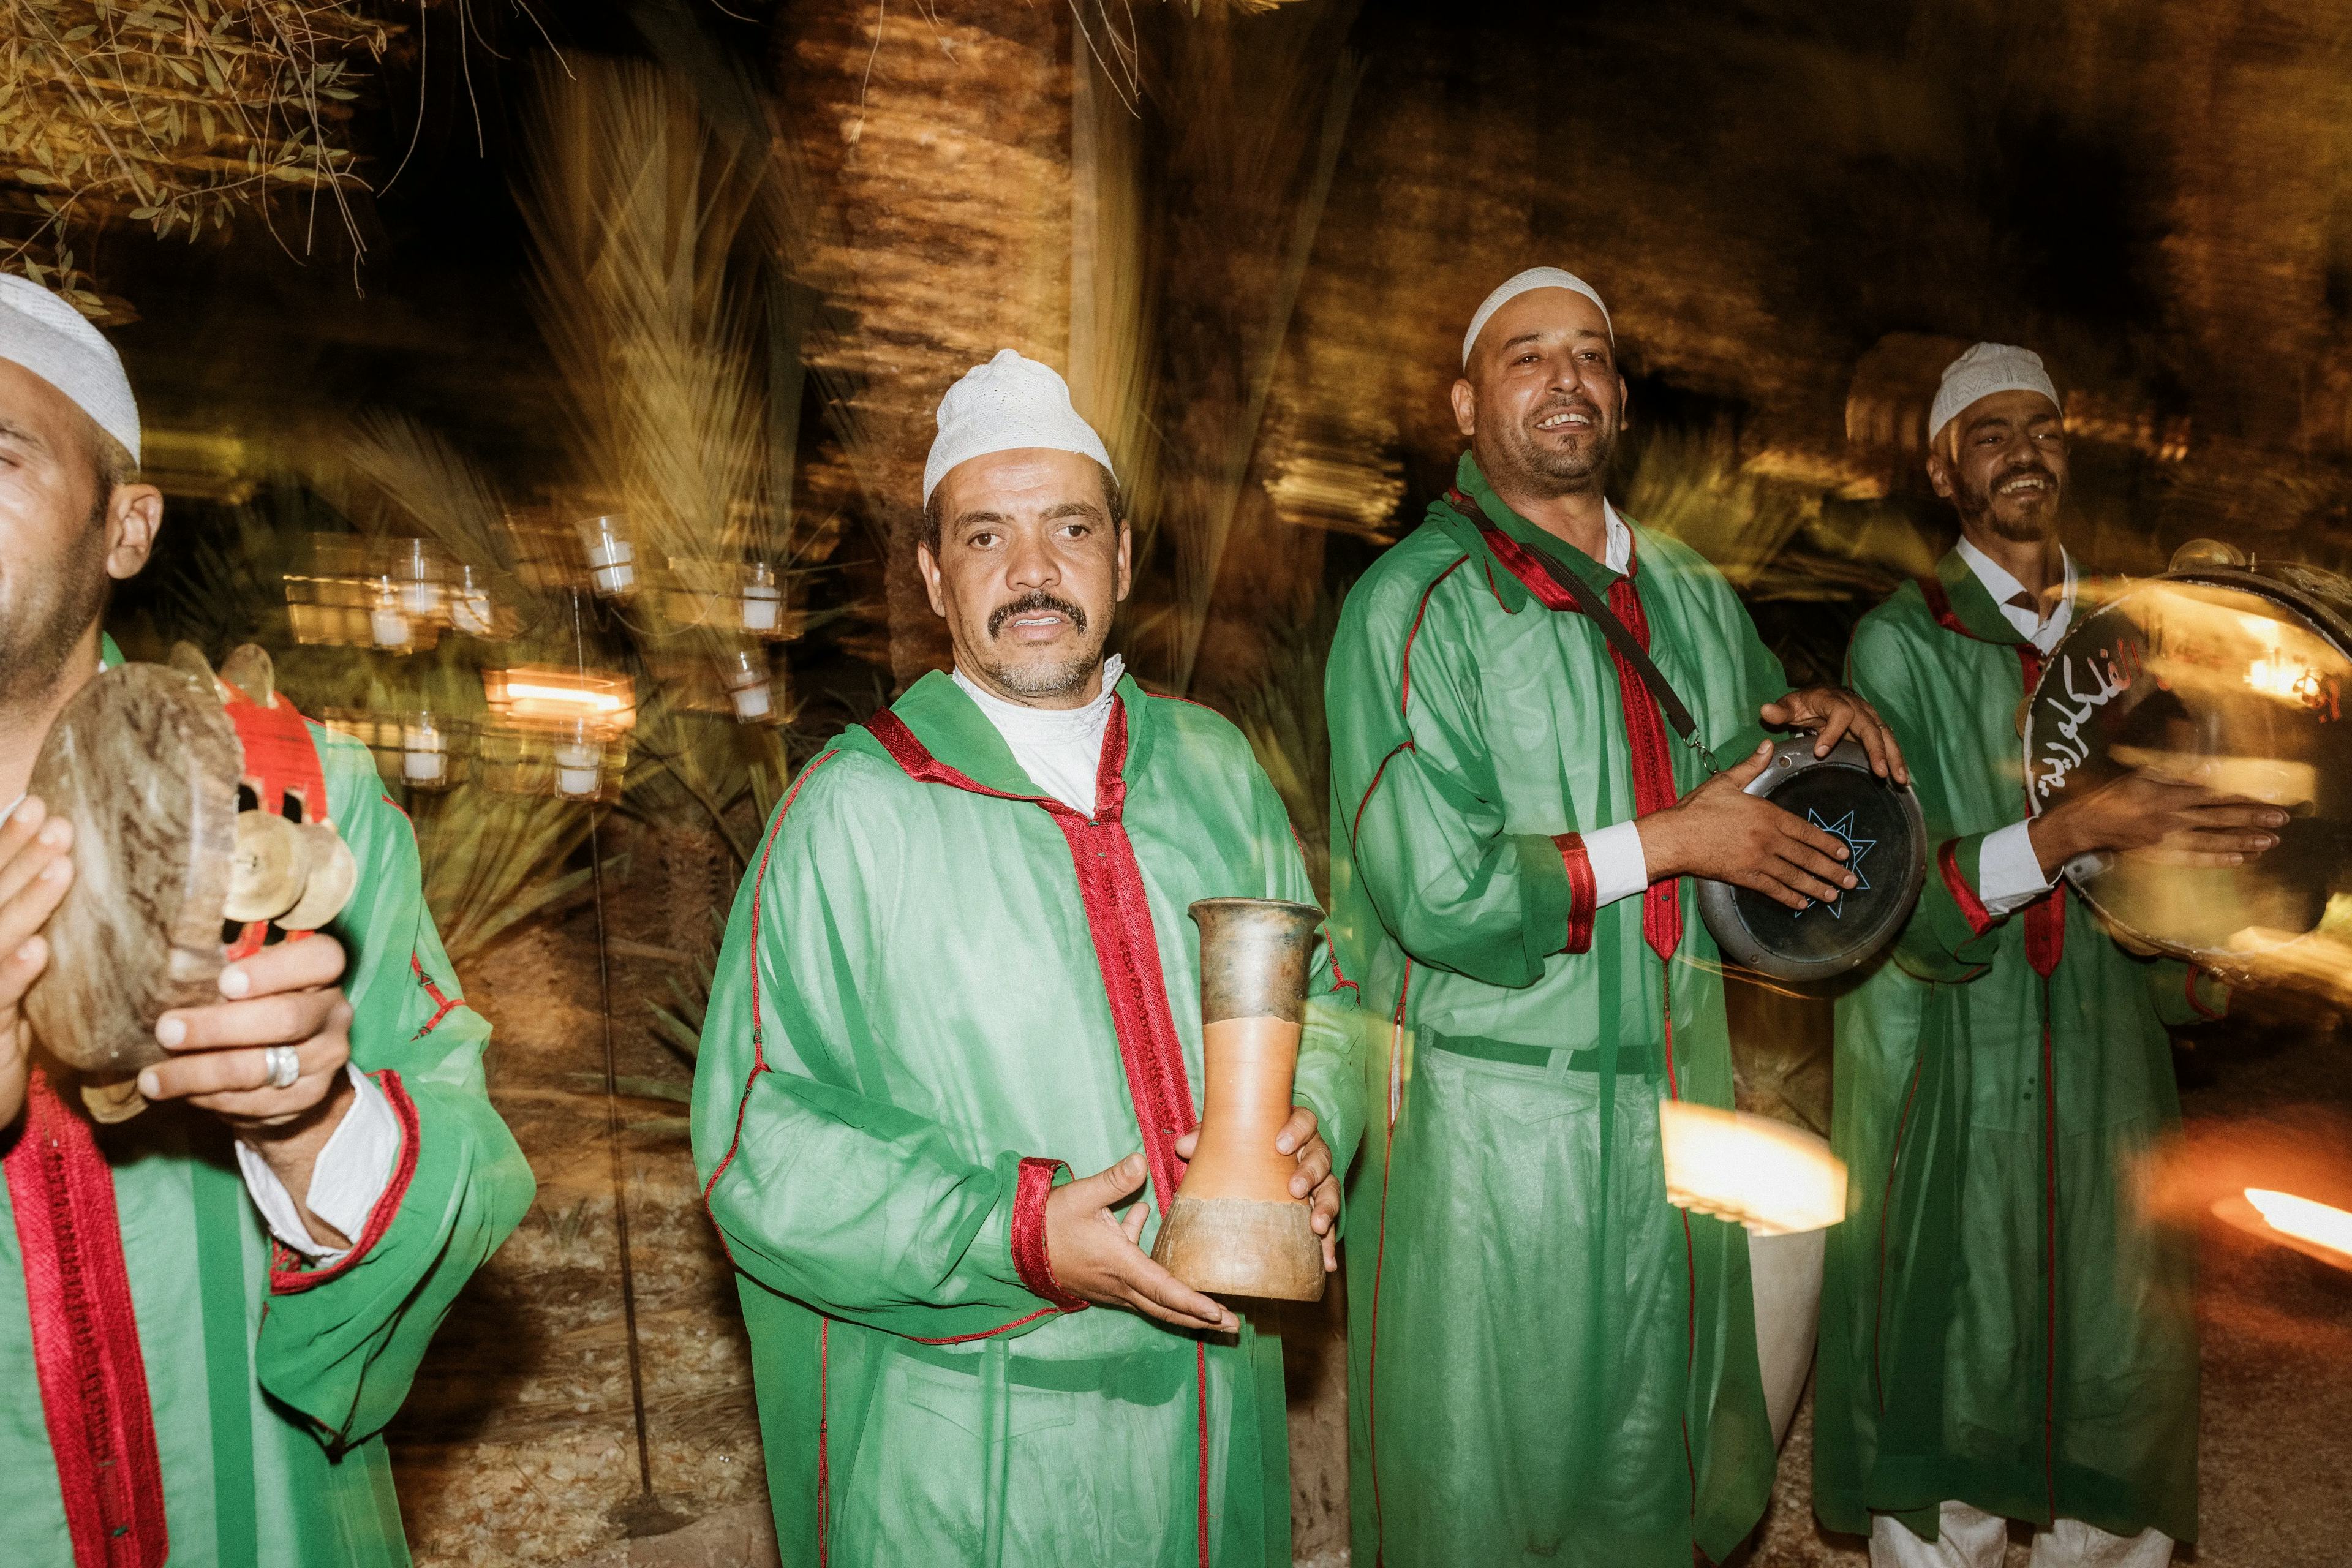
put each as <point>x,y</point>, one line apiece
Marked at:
<point>611,558</point>
<point>764,599</point>
<point>424,753</point>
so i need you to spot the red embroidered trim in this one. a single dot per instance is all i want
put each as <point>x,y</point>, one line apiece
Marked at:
<point>824,1431</point>
<point>1645,728</point>
<point>987,1333</point>
<point>2045,931</point>
<point>1972,908</point>
<point>1405,660</point>
<point>1690,1248</point>
<point>1029,1257</point>
<point>1356,825</point>
<point>1583,891</point>
<point>2050,1286</point>
<point>286,1277</point>
<point>2194,973</point>
<point>1201,1382</point>
<point>445,1003</point>
<point>93,1380</point>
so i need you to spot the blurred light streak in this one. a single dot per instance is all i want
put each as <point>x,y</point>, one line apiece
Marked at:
<point>1773,1178</point>
<point>2314,1222</point>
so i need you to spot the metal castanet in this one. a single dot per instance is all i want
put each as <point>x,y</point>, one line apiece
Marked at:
<point>1233,1228</point>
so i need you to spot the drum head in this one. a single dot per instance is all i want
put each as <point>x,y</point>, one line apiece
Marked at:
<point>2236,681</point>
<point>144,762</point>
<point>1886,839</point>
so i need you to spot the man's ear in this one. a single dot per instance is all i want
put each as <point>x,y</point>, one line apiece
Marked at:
<point>927,566</point>
<point>1466,406</point>
<point>1624,402</point>
<point>1940,473</point>
<point>1126,562</point>
<point>134,513</point>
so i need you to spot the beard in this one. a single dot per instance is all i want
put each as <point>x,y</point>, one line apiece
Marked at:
<point>1052,675</point>
<point>40,630</point>
<point>1534,465</point>
<point>1977,505</point>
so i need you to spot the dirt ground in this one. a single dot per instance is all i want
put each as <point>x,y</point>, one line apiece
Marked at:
<point>518,1443</point>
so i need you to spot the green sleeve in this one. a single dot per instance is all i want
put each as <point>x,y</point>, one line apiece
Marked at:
<point>1419,804</point>
<point>342,1343</point>
<point>853,1204</point>
<point>1951,935</point>
<point>2186,994</point>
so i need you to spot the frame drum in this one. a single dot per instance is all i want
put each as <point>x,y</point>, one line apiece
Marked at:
<point>144,760</point>
<point>2231,679</point>
<point>1887,844</point>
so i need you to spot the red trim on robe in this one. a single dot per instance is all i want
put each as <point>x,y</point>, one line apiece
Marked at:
<point>93,1380</point>
<point>1381,1254</point>
<point>2045,931</point>
<point>1583,890</point>
<point>1404,659</point>
<point>1645,728</point>
<point>286,1277</point>
<point>1126,949</point>
<point>445,1003</point>
<point>2201,1007</point>
<point>1972,908</point>
<point>1029,1256</point>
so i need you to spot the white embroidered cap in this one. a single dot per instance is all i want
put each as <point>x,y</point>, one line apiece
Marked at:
<point>49,337</point>
<point>1533,278</point>
<point>1001,407</point>
<point>1982,371</point>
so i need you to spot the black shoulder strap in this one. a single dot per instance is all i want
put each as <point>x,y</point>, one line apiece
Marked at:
<point>1629,648</point>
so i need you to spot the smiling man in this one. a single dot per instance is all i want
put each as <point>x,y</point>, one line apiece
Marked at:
<point>209,1312</point>
<point>2005,1335</point>
<point>960,968</point>
<point>1549,1363</point>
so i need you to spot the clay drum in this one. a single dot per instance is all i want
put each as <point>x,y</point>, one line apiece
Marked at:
<point>1233,1228</point>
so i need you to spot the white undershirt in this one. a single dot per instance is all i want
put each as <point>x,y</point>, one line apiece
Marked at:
<point>2009,873</point>
<point>1059,748</point>
<point>1620,870</point>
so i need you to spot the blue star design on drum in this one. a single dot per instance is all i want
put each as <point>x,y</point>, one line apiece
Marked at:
<point>1855,848</point>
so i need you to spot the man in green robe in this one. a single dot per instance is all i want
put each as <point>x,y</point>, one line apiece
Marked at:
<point>960,967</point>
<point>2005,1333</point>
<point>208,1313</point>
<point>1549,1363</point>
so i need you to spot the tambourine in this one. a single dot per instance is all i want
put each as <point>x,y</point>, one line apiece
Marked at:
<point>1886,837</point>
<point>2221,674</point>
<point>201,834</point>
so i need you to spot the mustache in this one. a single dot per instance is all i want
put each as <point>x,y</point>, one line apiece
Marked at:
<point>1036,599</point>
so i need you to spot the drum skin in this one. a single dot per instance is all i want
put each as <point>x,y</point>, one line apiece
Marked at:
<point>144,762</point>
<point>2234,679</point>
<point>1887,836</point>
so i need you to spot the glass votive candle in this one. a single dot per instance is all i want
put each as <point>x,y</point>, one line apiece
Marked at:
<point>612,558</point>
<point>763,598</point>
<point>745,672</point>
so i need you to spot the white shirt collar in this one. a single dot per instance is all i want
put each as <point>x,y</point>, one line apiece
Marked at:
<point>1059,748</point>
<point>1619,551</point>
<point>1998,580</point>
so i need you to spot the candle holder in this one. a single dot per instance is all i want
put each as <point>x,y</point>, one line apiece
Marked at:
<point>612,555</point>
<point>743,671</point>
<point>557,732</point>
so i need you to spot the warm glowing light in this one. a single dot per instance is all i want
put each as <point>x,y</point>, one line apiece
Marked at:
<point>1772,1178</point>
<point>2276,675</point>
<point>2301,1218</point>
<point>565,698</point>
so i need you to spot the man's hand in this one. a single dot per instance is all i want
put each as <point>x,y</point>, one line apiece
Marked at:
<point>282,995</point>
<point>1720,833</point>
<point>2178,823</point>
<point>1835,712</point>
<point>1315,1177</point>
<point>1094,1255</point>
<point>35,872</point>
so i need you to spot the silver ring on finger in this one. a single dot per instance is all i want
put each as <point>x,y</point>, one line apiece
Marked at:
<point>284,1065</point>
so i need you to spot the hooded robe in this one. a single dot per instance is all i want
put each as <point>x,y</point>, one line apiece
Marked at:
<point>1550,1364</point>
<point>941,991</point>
<point>2002,1323</point>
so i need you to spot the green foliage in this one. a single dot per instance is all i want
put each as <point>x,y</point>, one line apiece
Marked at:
<point>1283,717</point>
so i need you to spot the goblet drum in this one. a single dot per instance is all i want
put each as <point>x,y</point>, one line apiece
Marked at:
<point>2217,673</point>
<point>151,763</point>
<point>1233,1228</point>
<point>1886,846</point>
